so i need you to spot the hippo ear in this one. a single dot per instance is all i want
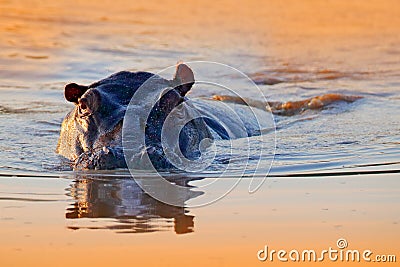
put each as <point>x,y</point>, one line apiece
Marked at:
<point>169,100</point>
<point>73,92</point>
<point>183,79</point>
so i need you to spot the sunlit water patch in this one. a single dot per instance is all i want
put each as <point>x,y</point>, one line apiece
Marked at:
<point>48,44</point>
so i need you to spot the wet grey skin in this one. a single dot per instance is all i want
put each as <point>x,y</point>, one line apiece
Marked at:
<point>91,134</point>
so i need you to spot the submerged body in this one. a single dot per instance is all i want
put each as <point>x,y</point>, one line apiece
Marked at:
<point>91,134</point>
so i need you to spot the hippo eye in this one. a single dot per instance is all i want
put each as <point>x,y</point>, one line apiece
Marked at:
<point>83,107</point>
<point>89,103</point>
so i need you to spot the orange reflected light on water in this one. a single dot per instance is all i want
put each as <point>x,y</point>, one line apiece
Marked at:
<point>42,31</point>
<point>35,26</point>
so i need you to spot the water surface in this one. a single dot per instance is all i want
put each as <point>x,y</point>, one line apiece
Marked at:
<point>292,50</point>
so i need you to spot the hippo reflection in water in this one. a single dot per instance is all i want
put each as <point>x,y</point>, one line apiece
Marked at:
<point>132,210</point>
<point>91,134</point>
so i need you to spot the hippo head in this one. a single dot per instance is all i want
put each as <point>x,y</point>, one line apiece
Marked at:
<point>91,134</point>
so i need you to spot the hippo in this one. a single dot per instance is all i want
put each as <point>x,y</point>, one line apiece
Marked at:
<point>91,134</point>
